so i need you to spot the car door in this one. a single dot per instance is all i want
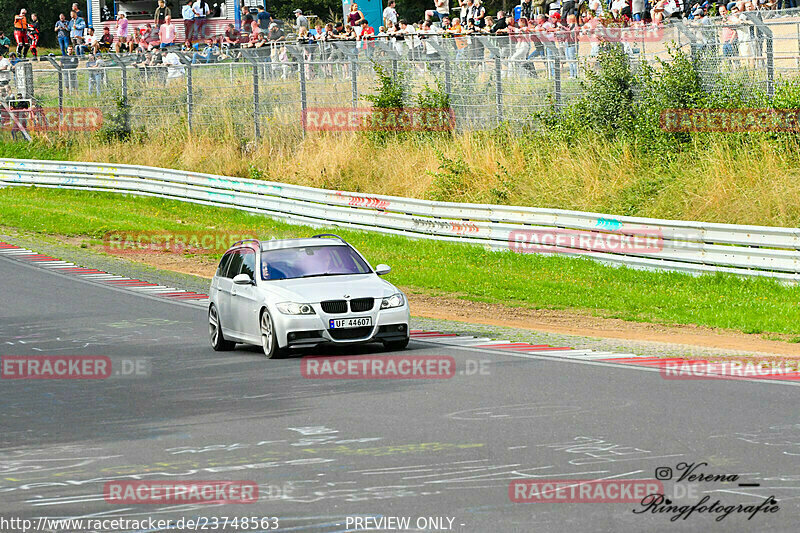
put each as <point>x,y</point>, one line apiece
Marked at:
<point>244,299</point>
<point>225,287</point>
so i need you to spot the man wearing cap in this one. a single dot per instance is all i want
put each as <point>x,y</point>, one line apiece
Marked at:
<point>302,20</point>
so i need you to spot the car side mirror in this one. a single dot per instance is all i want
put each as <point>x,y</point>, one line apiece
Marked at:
<point>243,279</point>
<point>382,269</point>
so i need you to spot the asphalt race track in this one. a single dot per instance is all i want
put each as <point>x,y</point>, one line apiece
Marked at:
<point>323,450</point>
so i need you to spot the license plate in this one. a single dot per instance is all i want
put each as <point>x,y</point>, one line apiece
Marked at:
<point>355,322</point>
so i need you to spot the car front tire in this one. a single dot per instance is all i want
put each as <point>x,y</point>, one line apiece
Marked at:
<point>218,341</point>
<point>269,339</point>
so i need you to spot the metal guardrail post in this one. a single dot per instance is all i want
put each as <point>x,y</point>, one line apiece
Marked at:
<point>764,30</point>
<point>557,78</point>
<point>394,69</point>
<point>60,86</point>
<point>448,83</point>
<point>189,97</point>
<point>498,71</point>
<point>256,111</point>
<point>354,80</point>
<point>303,92</point>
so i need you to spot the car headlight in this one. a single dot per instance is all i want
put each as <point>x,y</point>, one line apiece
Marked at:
<point>291,308</point>
<point>395,300</point>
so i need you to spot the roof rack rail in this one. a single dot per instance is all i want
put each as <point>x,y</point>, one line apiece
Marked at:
<point>237,243</point>
<point>328,235</point>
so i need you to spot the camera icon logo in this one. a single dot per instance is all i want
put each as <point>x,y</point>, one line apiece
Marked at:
<point>663,473</point>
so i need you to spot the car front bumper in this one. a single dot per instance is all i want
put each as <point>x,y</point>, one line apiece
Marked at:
<point>299,331</point>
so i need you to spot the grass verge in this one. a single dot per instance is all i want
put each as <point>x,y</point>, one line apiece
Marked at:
<point>469,272</point>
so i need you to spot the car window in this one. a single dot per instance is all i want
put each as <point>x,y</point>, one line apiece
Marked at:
<point>235,265</point>
<point>223,265</point>
<point>248,263</point>
<point>311,261</point>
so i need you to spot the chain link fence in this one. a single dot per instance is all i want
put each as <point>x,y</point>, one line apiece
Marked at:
<point>489,79</point>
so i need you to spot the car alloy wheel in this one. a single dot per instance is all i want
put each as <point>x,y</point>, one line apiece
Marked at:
<point>269,341</point>
<point>218,341</point>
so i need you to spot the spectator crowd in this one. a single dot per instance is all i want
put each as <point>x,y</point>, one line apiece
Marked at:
<point>534,29</point>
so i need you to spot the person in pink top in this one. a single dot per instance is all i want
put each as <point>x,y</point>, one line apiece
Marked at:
<point>166,33</point>
<point>122,32</point>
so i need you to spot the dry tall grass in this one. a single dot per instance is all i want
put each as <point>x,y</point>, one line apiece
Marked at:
<point>715,184</point>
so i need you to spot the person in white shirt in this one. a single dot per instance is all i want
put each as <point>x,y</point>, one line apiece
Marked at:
<point>390,15</point>
<point>442,9</point>
<point>166,33</point>
<point>201,11</point>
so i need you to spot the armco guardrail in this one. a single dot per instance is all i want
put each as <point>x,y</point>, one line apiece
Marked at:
<point>665,244</point>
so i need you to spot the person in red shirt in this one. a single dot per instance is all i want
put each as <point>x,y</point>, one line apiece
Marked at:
<point>21,32</point>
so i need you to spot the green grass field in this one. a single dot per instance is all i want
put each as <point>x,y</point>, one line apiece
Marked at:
<point>470,272</point>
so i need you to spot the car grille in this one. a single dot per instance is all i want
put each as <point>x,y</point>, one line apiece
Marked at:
<point>334,306</point>
<point>350,333</point>
<point>362,304</point>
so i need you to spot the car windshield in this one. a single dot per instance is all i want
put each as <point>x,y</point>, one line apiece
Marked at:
<point>311,261</point>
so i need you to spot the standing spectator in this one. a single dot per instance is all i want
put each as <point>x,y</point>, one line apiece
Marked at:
<point>33,35</point>
<point>442,8</point>
<point>354,16</point>
<point>69,64</point>
<point>188,20</point>
<point>571,45</point>
<point>95,66</point>
<point>161,14</point>
<point>478,16</point>
<point>76,28</point>
<point>302,21</point>
<point>166,33</point>
<point>62,33</point>
<point>201,12</point>
<point>5,43</point>
<point>390,15</point>
<point>367,37</point>
<point>525,10</point>
<point>76,9</point>
<point>264,19</point>
<point>122,32</point>
<point>21,32</point>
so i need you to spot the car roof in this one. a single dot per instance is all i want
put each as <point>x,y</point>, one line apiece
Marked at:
<point>299,243</point>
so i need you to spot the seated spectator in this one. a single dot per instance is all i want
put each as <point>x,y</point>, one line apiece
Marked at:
<point>167,33</point>
<point>275,33</point>
<point>12,57</point>
<point>231,37</point>
<point>105,41</point>
<point>91,40</point>
<point>209,53</point>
